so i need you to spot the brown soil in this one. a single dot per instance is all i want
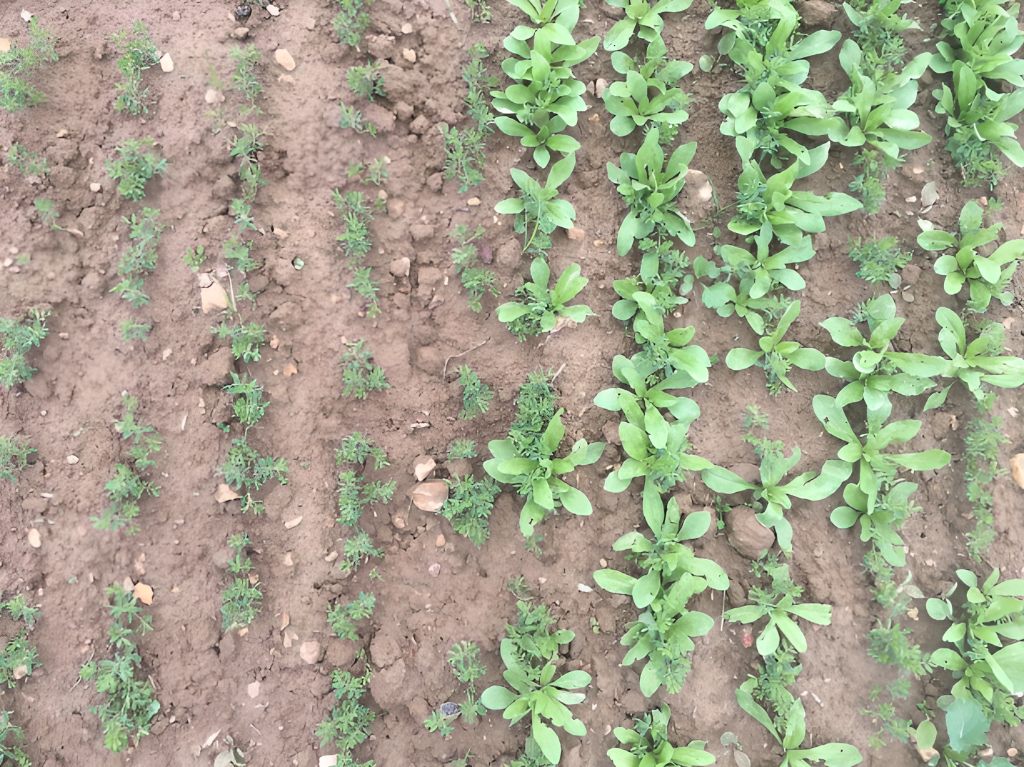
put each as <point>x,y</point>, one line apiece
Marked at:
<point>70,405</point>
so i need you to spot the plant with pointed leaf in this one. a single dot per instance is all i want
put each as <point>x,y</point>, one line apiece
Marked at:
<point>977,124</point>
<point>791,736</point>
<point>530,671</point>
<point>662,281</point>
<point>878,105</point>
<point>775,356</point>
<point>773,200</point>
<point>663,632</point>
<point>993,617</point>
<point>875,370</point>
<point>565,12</point>
<point>985,35</point>
<point>762,272</point>
<point>643,19</point>
<point>644,396</point>
<point>881,524</point>
<point>986,277</point>
<point>727,300</point>
<point>630,101</point>
<point>536,477</point>
<point>967,727</point>
<point>776,496</point>
<point>976,363</point>
<point>540,308</point>
<point>649,746</point>
<point>666,352</point>
<point>537,206</point>
<point>876,467</point>
<point>649,185</point>
<point>545,98</point>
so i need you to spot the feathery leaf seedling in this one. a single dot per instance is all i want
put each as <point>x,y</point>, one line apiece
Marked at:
<point>137,52</point>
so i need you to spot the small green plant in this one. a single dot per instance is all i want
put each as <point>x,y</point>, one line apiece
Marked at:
<point>986,277</point>
<point>9,750</point>
<point>14,453</point>
<point>479,11</point>
<point>464,659</point>
<point>137,52</point>
<point>140,257</point>
<point>134,167</point>
<point>777,357</point>
<point>879,260</point>
<point>355,239</point>
<point>245,469</point>
<point>342,617</point>
<point>642,19</point>
<point>469,506</point>
<point>128,486</point>
<point>648,744</point>
<point>243,78</point>
<point>537,208</point>
<point>348,723</point>
<point>354,492</point>
<point>134,331</point>
<point>241,601</point>
<point>662,633</point>
<point>195,257</point>
<point>236,255</point>
<point>15,92</point>
<point>461,448</point>
<point>377,170</point>
<point>130,703</point>
<point>540,309</point>
<point>352,21</point>
<point>358,549</point>
<point>649,186</point>
<point>353,119</point>
<point>628,99</point>
<point>28,163</point>
<point>367,81</point>
<point>19,657</point>
<point>245,339</point>
<point>869,184</point>
<point>477,280</point>
<point>981,453</point>
<point>48,212</point>
<point>476,396</point>
<point>360,375</point>
<point>17,338</point>
<point>356,448</point>
<point>528,652</point>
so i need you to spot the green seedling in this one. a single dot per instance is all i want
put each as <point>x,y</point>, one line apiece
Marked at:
<point>476,396</point>
<point>642,19</point>
<point>360,375</point>
<point>367,288</point>
<point>875,370</point>
<point>879,29</point>
<point>629,100</point>
<point>479,12</point>
<point>880,521</point>
<point>780,607</point>
<point>649,745</point>
<point>777,357</point>
<point>377,170</point>
<point>792,733</point>
<point>243,77</point>
<point>544,98</point>
<point>355,239</point>
<point>7,749</point>
<point>353,119</point>
<point>461,448</point>
<point>15,92</point>
<point>664,353</point>
<point>241,601</point>
<point>19,657</point>
<point>358,549</point>
<point>241,211</point>
<point>137,52</point>
<point>643,397</point>
<point>464,155</point>
<point>974,364</point>
<point>879,260</point>
<point>663,632</point>
<point>342,618</point>
<point>134,167</point>
<point>130,703</point>
<point>534,473</point>
<point>352,21</point>
<point>649,186</point>
<point>128,487</point>
<point>140,257</point>
<point>869,184</point>
<point>772,200</point>
<point>876,467</point>
<point>469,505</point>
<point>993,617</point>
<point>348,723</point>
<point>17,338</point>
<point>663,281</point>
<point>356,448</point>
<point>464,659</point>
<point>986,277</point>
<point>537,208</point>
<point>132,330</point>
<point>760,273</point>
<point>477,280</point>
<point>776,496</point>
<point>967,727</point>
<point>529,653</point>
<point>236,255</point>
<point>28,163</point>
<point>367,81</point>
<point>981,453</point>
<point>541,309</point>
<point>194,258</point>
<point>354,493</point>
<point>245,339</point>
<point>48,213</point>
<point>14,453</point>
<point>439,721</point>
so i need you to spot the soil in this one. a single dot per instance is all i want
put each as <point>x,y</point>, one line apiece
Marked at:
<point>68,408</point>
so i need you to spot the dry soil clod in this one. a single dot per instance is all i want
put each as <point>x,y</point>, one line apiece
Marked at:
<point>1017,469</point>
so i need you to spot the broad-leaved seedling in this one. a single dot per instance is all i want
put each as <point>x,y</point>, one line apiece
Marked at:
<point>540,308</point>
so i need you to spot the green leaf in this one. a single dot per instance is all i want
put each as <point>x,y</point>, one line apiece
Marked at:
<point>614,581</point>
<point>966,725</point>
<point>741,359</point>
<point>547,740</point>
<point>575,501</point>
<point>498,698</point>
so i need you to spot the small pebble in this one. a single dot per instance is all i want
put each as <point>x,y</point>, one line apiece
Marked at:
<point>94,187</point>
<point>166,63</point>
<point>292,523</point>
<point>409,55</point>
<point>176,16</point>
<point>273,10</point>
<point>434,570</point>
<point>310,652</point>
<point>253,689</point>
<point>213,96</point>
<point>282,57</point>
<point>72,459</point>
<point>473,202</point>
<point>242,12</point>
<point>407,29</point>
<point>399,523</point>
<point>440,541</point>
<point>33,538</point>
